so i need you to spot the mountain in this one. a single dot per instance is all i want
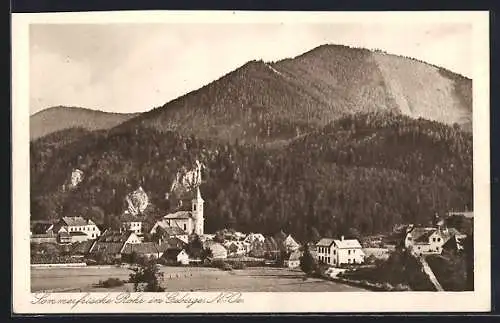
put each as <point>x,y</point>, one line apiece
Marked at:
<point>60,118</point>
<point>267,102</point>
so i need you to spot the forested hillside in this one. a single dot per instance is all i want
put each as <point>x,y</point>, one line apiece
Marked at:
<point>364,172</point>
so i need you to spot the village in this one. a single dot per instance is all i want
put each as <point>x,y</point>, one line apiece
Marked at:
<point>179,239</point>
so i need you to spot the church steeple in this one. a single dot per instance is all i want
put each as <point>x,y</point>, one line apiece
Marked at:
<point>197,211</point>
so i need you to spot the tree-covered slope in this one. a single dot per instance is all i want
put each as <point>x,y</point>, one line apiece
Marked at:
<point>366,172</point>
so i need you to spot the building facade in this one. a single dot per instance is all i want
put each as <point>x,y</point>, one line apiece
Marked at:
<point>339,252</point>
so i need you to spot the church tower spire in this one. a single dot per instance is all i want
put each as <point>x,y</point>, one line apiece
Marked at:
<point>197,211</point>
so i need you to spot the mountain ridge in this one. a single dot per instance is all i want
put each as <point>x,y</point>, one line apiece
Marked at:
<point>260,101</point>
<point>58,118</point>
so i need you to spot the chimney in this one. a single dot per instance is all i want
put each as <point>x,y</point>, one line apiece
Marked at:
<point>341,238</point>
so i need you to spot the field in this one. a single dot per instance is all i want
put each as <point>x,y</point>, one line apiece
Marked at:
<point>185,279</point>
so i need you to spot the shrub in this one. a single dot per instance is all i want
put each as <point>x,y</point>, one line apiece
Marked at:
<point>111,282</point>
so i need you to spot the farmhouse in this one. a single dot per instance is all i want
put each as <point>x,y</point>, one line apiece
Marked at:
<point>339,252</point>
<point>144,249</point>
<point>76,224</point>
<point>176,256</point>
<point>112,243</point>
<point>163,230</point>
<point>218,250</point>
<point>422,241</point>
<point>132,223</point>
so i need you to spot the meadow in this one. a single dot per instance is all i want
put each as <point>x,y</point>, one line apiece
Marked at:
<point>256,279</point>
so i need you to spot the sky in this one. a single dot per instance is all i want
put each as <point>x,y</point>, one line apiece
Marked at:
<point>137,67</point>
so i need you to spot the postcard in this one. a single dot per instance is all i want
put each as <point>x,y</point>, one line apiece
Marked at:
<point>243,162</point>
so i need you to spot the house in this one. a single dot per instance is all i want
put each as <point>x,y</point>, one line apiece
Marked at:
<point>339,252</point>
<point>290,244</point>
<point>132,223</point>
<point>77,224</point>
<point>112,243</point>
<point>144,249</point>
<point>293,259</point>
<point>176,256</point>
<point>164,230</point>
<point>428,240</point>
<point>252,237</point>
<point>218,250</point>
<point>189,219</point>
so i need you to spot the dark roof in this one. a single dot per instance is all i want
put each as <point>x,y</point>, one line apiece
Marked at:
<point>424,237</point>
<point>179,215</point>
<point>325,242</point>
<point>82,247</point>
<point>75,221</point>
<point>173,243</point>
<point>172,253</point>
<point>141,248</point>
<point>171,231</point>
<point>127,217</point>
<point>107,247</point>
<point>114,236</point>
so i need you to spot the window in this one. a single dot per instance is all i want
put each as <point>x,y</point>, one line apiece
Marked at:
<point>433,239</point>
<point>194,207</point>
<point>184,226</point>
<point>334,251</point>
<point>439,239</point>
<point>348,252</point>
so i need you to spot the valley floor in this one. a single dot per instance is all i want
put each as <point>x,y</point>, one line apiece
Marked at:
<point>255,279</point>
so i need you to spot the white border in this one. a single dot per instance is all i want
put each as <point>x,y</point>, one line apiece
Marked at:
<point>479,300</point>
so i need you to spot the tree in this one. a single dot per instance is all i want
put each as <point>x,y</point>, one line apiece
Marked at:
<point>307,262</point>
<point>195,247</point>
<point>147,277</point>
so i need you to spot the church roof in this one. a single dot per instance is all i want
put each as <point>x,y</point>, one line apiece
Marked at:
<point>179,215</point>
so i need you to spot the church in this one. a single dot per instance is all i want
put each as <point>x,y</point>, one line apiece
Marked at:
<point>188,215</point>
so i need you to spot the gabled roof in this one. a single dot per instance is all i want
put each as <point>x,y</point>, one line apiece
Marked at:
<point>141,248</point>
<point>347,244</point>
<point>127,217</point>
<point>417,232</point>
<point>82,247</point>
<point>170,230</point>
<point>114,236</point>
<point>106,247</point>
<point>179,215</point>
<point>172,253</point>
<point>75,221</point>
<point>424,238</point>
<point>325,242</point>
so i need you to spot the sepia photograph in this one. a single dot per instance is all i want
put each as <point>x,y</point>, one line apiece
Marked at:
<point>223,161</point>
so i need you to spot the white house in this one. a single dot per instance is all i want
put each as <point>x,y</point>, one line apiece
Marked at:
<point>191,221</point>
<point>339,252</point>
<point>162,227</point>
<point>290,244</point>
<point>76,224</point>
<point>421,241</point>
<point>252,237</point>
<point>132,223</point>
<point>218,250</point>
